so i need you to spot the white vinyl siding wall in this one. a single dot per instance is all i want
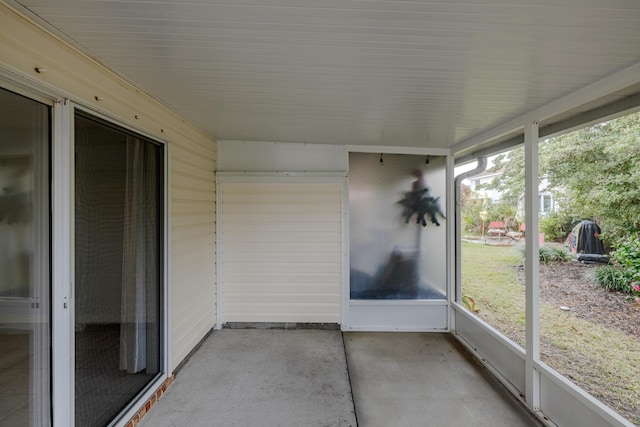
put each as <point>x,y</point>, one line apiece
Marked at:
<point>281,256</point>
<point>193,245</point>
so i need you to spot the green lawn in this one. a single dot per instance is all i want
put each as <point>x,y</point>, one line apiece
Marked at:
<point>602,361</point>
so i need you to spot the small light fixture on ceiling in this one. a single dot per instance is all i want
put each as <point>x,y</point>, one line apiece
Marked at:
<point>381,160</point>
<point>426,162</point>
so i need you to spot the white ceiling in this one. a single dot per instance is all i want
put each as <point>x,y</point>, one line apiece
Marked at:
<point>420,73</point>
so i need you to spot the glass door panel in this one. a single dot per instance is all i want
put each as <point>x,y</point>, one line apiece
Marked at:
<point>397,242</point>
<point>24,261</point>
<point>118,247</point>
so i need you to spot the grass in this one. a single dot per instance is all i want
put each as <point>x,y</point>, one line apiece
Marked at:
<point>489,276</point>
<point>598,359</point>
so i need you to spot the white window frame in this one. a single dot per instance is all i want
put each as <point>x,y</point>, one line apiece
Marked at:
<point>134,406</point>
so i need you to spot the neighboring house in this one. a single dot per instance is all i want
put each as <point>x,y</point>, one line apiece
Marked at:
<point>132,232</point>
<point>478,185</point>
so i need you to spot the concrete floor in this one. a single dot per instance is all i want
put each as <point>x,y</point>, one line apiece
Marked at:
<point>251,377</point>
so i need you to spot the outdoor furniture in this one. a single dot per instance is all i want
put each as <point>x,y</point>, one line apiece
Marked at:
<point>496,229</point>
<point>515,236</point>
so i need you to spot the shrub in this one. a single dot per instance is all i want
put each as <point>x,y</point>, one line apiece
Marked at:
<point>626,269</point>
<point>550,254</point>
<point>627,256</point>
<point>611,278</point>
<point>556,226</point>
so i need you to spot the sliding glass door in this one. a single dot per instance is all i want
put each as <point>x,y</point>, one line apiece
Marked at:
<point>118,268</point>
<point>24,261</point>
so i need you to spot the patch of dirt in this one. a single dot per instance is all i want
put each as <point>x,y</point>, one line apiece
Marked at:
<point>570,285</point>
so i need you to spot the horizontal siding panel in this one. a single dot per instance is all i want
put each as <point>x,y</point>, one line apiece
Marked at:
<point>292,307</point>
<point>308,217</point>
<point>278,281</point>
<point>284,312</point>
<point>197,157</point>
<point>205,304</point>
<point>297,257</point>
<point>190,273</point>
<point>193,260</point>
<point>184,219</point>
<point>263,198</point>
<point>282,252</point>
<point>198,166</point>
<point>283,237</point>
<point>279,317</point>
<point>280,299</point>
<point>179,193</point>
<point>282,247</point>
<point>182,239</point>
<point>186,168</point>
<point>196,161</point>
<point>229,208</point>
<point>193,246</point>
<point>319,313</point>
<point>234,226</point>
<point>204,151</point>
<point>180,222</point>
<point>204,244</point>
<point>187,180</point>
<point>190,232</point>
<point>186,336</point>
<point>278,189</point>
<point>192,206</point>
<point>281,267</point>
<point>251,286</point>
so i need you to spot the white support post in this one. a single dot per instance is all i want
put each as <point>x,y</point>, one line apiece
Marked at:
<point>167,282</point>
<point>532,262</point>
<point>453,244</point>
<point>62,371</point>
<point>345,321</point>
<point>219,266</point>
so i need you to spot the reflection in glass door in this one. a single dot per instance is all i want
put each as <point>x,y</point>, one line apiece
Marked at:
<point>24,261</point>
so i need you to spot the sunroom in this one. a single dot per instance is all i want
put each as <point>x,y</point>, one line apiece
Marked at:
<point>168,169</point>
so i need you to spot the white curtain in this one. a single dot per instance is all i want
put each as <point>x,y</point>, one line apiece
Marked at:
<point>139,326</point>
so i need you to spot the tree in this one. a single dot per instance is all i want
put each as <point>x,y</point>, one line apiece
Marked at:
<point>594,173</point>
<point>600,167</point>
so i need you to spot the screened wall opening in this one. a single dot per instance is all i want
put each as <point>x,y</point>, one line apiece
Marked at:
<point>118,268</point>
<point>493,235</point>
<point>590,304</point>
<point>24,261</point>
<point>583,325</point>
